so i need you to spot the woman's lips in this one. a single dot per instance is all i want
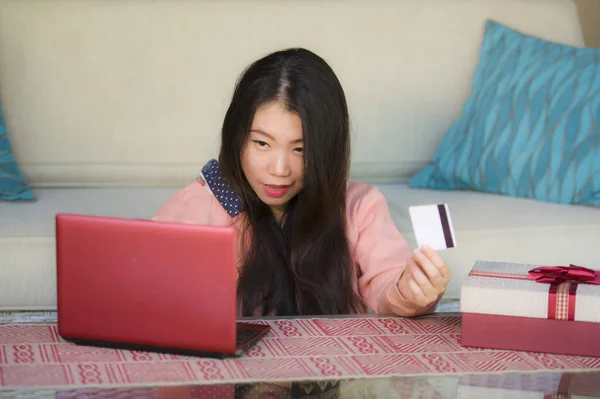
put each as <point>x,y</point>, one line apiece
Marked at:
<point>275,191</point>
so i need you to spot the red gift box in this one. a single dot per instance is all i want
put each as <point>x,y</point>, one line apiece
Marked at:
<point>553,309</point>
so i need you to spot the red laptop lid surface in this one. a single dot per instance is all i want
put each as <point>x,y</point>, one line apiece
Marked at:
<point>146,283</point>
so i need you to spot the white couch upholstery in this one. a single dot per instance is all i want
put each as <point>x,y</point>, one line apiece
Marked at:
<point>113,106</point>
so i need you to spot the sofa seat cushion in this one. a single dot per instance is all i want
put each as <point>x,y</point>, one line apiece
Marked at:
<point>503,228</point>
<point>487,227</point>
<point>27,244</point>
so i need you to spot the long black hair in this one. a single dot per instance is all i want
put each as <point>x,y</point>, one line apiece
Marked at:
<point>302,266</point>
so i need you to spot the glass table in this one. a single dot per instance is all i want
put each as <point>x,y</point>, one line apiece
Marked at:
<point>514,385</point>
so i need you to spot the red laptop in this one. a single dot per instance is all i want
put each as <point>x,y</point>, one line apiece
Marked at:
<point>146,285</point>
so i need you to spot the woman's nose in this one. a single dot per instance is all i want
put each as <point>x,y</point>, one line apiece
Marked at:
<point>279,165</point>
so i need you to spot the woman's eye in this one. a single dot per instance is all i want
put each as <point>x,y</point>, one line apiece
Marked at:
<point>261,144</point>
<point>300,150</point>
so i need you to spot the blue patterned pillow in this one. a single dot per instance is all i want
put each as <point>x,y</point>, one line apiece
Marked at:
<point>13,186</point>
<point>531,127</point>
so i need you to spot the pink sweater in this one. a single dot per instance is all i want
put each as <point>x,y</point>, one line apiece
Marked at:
<point>380,252</point>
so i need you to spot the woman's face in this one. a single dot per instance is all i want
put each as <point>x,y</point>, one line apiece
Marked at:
<point>272,158</point>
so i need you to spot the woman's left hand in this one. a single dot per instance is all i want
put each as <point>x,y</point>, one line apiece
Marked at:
<point>425,278</point>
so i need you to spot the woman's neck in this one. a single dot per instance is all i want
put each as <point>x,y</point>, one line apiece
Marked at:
<point>278,213</point>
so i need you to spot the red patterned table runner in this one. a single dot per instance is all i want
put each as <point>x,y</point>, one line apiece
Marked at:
<point>315,349</point>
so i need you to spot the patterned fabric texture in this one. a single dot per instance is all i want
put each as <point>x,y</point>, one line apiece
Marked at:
<point>317,349</point>
<point>211,176</point>
<point>531,127</point>
<point>13,186</point>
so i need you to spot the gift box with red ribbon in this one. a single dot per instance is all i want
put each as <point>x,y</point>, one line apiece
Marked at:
<point>553,309</point>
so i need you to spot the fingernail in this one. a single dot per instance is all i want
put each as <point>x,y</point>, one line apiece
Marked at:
<point>414,287</point>
<point>426,247</point>
<point>421,279</point>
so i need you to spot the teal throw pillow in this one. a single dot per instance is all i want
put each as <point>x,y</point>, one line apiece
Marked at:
<point>13,186</point>
<point>531,126</point>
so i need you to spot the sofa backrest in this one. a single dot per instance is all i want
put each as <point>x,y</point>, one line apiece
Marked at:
<point>133,92</point>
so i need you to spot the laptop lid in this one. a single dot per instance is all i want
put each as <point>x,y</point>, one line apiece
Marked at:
<point>146,283</point>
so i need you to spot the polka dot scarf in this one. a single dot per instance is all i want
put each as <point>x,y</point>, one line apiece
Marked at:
<point>211,175</point>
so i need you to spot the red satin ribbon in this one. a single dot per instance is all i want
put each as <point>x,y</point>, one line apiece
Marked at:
<point>562,274</point>
<point>562,293</point>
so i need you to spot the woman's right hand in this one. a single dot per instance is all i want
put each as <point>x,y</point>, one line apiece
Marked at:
<point>424,279</point>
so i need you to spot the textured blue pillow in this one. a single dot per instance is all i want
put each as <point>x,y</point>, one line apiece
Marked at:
<point>13,186</point>
<point>531,127</point>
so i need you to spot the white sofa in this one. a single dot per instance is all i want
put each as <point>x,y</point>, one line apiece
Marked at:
<point>112,106</point>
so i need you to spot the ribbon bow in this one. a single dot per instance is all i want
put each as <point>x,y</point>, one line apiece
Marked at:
<point>561,274</point>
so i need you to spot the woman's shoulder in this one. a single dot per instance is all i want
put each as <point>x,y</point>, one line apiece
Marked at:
<point>207,200</point>
<point>191,204</point>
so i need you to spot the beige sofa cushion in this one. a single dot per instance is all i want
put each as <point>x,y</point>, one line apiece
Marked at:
<point>27,245</point>
<point>488,227</point>
<point>503,228</point>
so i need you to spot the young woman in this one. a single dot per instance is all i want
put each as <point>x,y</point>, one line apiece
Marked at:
<point>311,243</point>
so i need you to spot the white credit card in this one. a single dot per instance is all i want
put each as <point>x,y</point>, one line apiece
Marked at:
<point>433,226</point>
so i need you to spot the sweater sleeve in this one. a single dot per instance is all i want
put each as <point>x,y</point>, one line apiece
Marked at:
<point>381,253</point>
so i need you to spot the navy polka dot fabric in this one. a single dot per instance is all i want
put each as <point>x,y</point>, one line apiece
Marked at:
<point>224,194</point>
